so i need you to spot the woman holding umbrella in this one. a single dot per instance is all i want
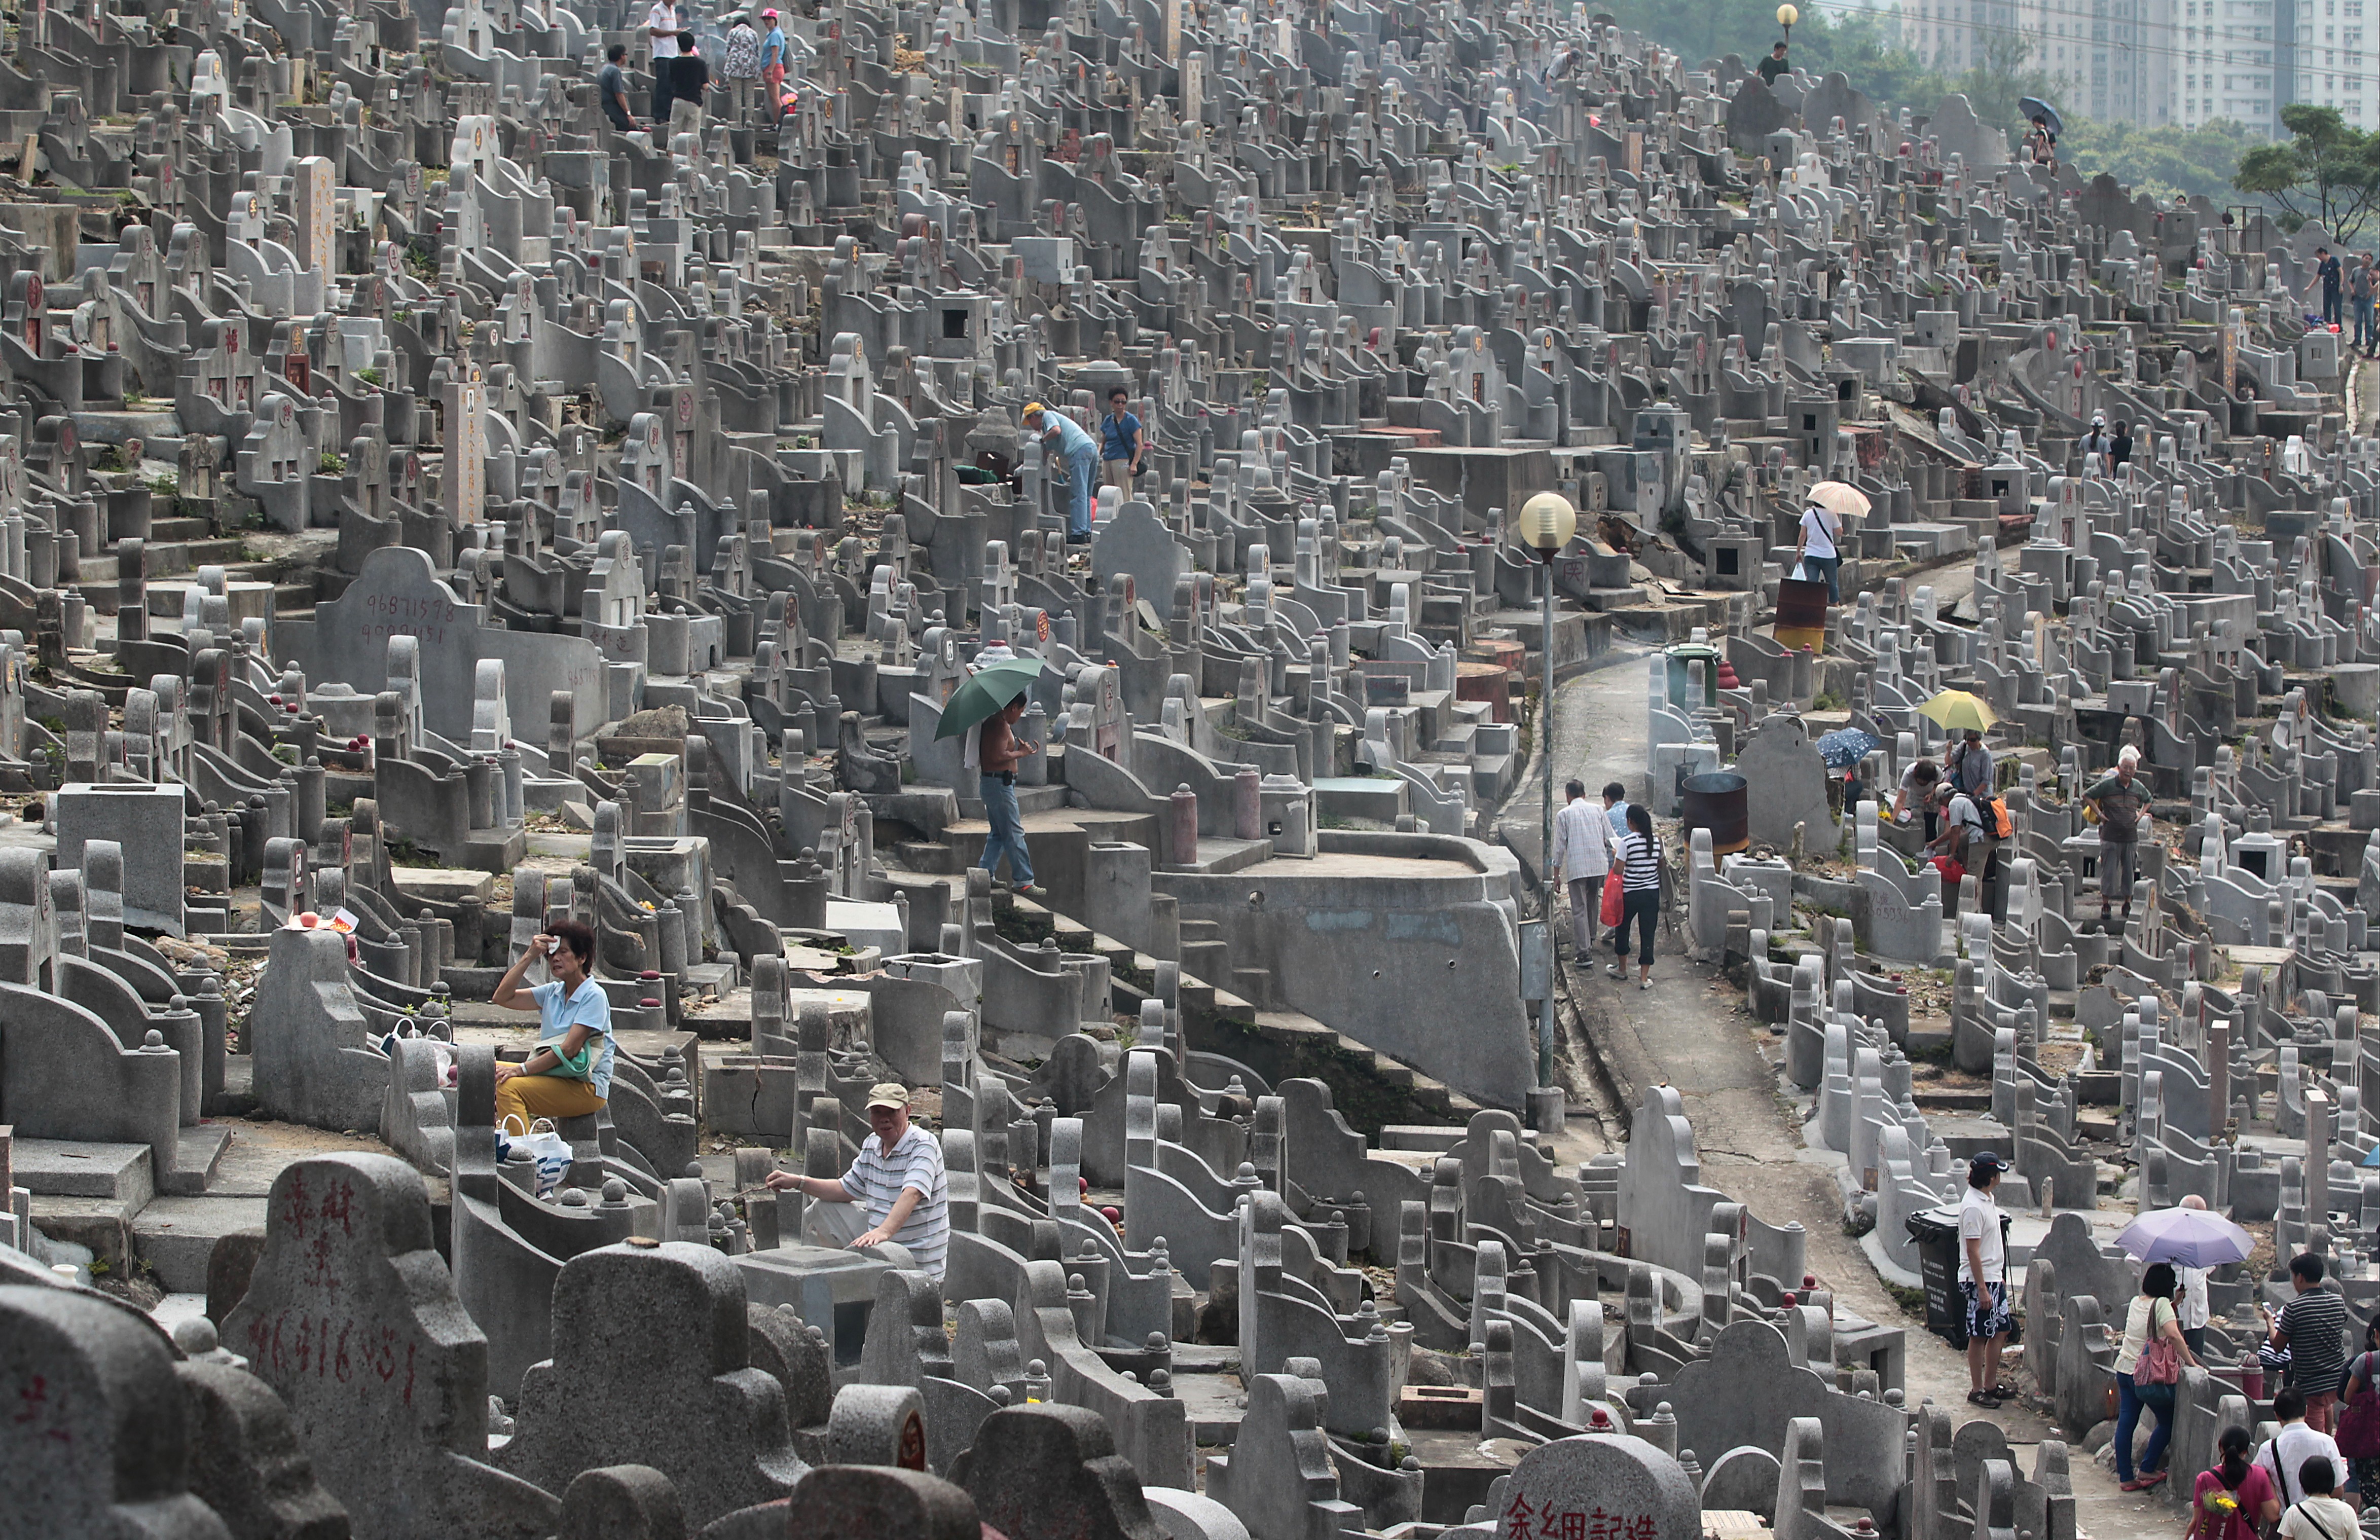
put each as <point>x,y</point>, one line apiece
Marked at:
<point>2041,145</point>
<point>1820,548</point>
<point>2190,1236</point>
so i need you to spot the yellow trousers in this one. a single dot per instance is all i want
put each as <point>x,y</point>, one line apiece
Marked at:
<point>532,1097</point>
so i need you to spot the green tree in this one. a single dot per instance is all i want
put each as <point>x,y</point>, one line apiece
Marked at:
<point>1708,31</point>
<point>2327,173</point>
<point>2161,162</point>
<point>1874,63</point>
<point>2002,76</point>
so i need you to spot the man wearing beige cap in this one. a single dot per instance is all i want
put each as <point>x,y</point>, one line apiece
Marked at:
<point>897,1185</point>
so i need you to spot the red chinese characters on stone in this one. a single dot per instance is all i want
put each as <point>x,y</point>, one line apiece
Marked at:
<point>296,1344</point>
<point>37,1405</point>
<point>1524,1523</point>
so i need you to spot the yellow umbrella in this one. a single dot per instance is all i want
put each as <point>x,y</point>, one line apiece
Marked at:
<point>1958,710</point>
<point>1841,499</point>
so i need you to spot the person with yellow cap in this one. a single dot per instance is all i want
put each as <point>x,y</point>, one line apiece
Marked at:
<point>898,1186</point>
<point>1081,454</point>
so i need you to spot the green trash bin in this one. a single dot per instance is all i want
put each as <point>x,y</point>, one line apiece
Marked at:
<point>1682,677</point>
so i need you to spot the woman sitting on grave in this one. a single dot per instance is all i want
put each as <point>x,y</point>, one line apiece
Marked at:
<point>569,1075</point>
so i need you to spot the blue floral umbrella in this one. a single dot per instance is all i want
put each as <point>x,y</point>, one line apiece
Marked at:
<point>1846,746</point>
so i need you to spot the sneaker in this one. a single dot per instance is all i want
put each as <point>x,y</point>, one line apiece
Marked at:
<point>1031,890</point>
<point>1616,971</point>
<point>1646,982</point>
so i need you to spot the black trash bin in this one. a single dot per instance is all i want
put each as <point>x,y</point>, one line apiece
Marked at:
<point>1936,1231</point>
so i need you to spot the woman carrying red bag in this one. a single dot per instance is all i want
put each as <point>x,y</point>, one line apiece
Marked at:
<point>2358,1423</point>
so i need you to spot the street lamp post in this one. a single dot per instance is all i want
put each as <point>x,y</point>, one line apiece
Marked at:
<point>1786,17</point>
<point>1545,526</point>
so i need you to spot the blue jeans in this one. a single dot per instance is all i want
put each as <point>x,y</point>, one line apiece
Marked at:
<point>1082,483</point>
<point>2128,1419</point>
<point>1007,832</point>
<point>2331,310</point>
<point>1826,568</point>
<point>2366,334</point>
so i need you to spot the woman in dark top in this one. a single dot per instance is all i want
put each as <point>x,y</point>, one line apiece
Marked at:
<point>689,73</point>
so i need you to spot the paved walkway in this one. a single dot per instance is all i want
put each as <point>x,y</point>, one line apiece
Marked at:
<point>1689,1031</point>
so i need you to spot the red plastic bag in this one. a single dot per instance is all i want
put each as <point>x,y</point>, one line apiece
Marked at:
<point>1953,872</point>
<point>1613,905</point>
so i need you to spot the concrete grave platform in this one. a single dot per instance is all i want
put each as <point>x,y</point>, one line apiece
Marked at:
<point>443,884</point>
<point>176,1235</point>
<point>1375,799</point>
<point>51,1167</point>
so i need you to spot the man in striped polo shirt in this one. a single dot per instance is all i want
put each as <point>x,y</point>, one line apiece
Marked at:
<point>897,1186</point>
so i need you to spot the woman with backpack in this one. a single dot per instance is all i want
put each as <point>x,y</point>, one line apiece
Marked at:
<point>2235,1500</point>
<point>2148,1366</point>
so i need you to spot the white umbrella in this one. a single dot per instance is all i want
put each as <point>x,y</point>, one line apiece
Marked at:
<point>1840,498</point>
<point>2187,1237</point>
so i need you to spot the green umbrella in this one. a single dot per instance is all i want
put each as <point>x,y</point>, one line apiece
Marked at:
<point>984,692</point>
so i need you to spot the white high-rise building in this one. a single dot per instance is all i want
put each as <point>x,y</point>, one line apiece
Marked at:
<point>2334,67</point>
<point>2172,61</point>
<point>2110,57</point>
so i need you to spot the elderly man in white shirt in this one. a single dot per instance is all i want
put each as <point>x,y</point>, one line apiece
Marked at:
<point>2193,1313</point>
<point>1582,855</point>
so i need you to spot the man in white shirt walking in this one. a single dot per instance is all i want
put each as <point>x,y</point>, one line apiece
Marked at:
<point>1582,855</point>
<point>1982,1281</point>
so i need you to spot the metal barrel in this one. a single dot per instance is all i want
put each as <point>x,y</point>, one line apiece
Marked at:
<point>1717,800</point>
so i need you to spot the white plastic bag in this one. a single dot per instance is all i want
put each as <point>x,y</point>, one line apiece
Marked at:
<point>546,1146</point>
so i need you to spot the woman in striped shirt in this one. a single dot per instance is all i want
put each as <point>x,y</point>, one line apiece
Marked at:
<point>1640,887</point>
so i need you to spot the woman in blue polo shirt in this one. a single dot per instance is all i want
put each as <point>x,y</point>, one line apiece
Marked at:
<point>1081,454</point>
<point>569,1075</point>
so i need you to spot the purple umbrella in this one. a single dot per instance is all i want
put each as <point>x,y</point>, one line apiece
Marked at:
<point>2186,1237</point>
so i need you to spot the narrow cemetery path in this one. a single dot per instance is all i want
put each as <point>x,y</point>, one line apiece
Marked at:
<point>1691,1031</point>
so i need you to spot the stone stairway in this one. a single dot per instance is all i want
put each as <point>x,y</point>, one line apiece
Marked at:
<point>178,547</point>
<point>1370,1089</point>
